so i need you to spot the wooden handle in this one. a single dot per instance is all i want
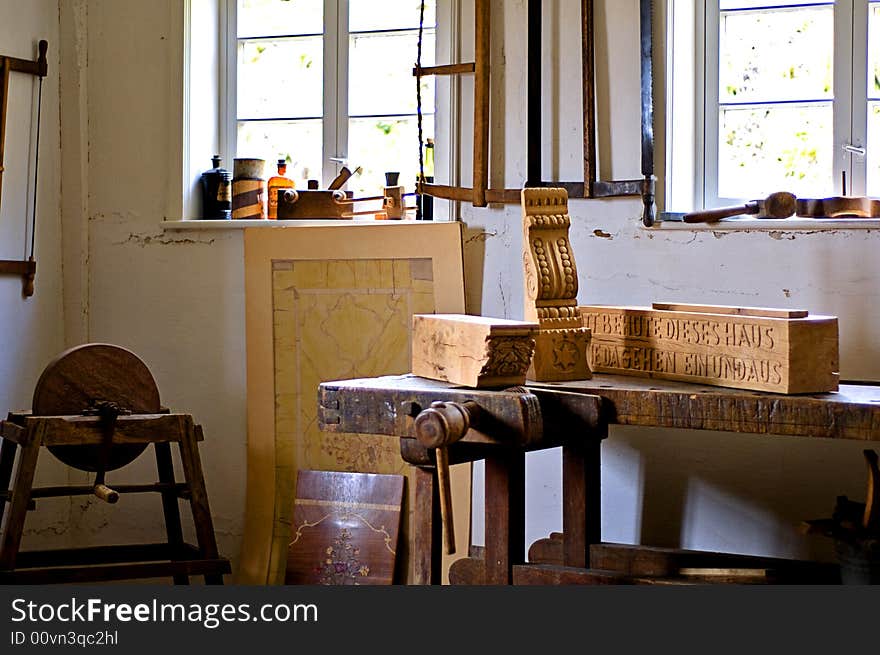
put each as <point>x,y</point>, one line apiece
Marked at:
<point>713,215</point>
<point>437,427</point>
<point>340,179</point>
<point>871,518</point>
<point>106,494</point>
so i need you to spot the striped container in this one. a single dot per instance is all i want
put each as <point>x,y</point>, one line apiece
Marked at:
<point>249,200</point>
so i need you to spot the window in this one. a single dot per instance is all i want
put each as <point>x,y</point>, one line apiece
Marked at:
<point>322,83</point>
<point>788,98</point>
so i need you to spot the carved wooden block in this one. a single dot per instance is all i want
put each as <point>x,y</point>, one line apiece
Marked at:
<point>474,351</point>
<point>551,286</point>
<point>744,349</point>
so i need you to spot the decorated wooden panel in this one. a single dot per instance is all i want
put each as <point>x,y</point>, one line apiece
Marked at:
<point>345,528</point>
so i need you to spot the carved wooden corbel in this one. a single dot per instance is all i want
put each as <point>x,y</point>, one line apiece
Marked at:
<point>551,286</point>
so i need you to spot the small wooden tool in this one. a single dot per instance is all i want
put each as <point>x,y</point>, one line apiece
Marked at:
<point>780,204</point>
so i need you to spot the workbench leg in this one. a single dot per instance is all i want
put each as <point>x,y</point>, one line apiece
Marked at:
<point>7,459</point>
<point>581,501</point>
<point>426,529</point>
<point>505,515</point>
<point>21,497</point>
<point>170,508</point>
<point>189,455</point>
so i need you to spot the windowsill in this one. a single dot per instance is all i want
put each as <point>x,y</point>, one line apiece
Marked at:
<point>750,223</point>
<point>199,224</point>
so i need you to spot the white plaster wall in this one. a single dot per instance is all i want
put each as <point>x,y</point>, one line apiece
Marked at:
<point>31,333</point>
<point>177,300</point>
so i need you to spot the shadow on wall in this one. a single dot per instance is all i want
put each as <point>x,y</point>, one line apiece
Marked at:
<point>734,492</point>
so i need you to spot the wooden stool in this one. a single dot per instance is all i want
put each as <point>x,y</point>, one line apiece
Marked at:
<point>105,436</point>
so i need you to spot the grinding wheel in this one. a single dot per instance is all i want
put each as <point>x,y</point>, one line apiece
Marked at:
<point>81,377</point>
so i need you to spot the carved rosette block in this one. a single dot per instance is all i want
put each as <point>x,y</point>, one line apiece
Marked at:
<point>474,351</point>
<point>551,286</point>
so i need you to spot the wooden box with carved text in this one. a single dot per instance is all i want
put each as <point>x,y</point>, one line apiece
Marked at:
<point>474,351</point>
<point>778,350</point>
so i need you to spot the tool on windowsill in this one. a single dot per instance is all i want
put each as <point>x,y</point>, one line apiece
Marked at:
<point>343,177</point>
<point>780,204</point>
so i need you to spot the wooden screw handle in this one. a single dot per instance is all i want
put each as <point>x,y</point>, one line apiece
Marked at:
<point>106,494</point>
<point>437,427</point>
<point>712,215</point>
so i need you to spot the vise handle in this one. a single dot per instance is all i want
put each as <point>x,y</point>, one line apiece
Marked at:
<point>437,427</point>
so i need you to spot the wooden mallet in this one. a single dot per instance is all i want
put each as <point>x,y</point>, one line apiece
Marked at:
<point>780,204</point>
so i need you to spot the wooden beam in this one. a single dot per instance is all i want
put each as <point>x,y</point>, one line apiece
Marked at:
<point>445,69</point>
<point>481,102</point>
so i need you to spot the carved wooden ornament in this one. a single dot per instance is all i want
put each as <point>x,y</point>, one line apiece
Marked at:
<point>551,286</point>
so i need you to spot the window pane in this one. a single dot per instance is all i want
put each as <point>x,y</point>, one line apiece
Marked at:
<point>379,145</point>
<point>277,17</point>
<point>874,102</point>
<point>782,54</point>
<point>782,148</point>
<point>280,78</point>
<point>388,14</point>
<point>381,79</point>
<point>299,142</point>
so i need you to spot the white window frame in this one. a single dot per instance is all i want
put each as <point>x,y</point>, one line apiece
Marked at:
<point>208,91</point>
<point>692,90</point>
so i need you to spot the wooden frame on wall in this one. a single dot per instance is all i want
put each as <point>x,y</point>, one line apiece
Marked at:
<point>272,256</point>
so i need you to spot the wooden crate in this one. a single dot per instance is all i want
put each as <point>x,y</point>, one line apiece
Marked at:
<point>778,350</point>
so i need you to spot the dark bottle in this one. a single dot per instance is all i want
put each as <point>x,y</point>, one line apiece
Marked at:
<point>217,192</point>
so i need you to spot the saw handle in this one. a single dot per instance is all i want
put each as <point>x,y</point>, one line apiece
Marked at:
<point>437,427</point>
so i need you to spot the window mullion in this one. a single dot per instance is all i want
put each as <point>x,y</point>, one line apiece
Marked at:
<point>342,69</point>
<point>709,140</point>
<point>858,109</point>
<point>331,146</point>
<point>228,137</point>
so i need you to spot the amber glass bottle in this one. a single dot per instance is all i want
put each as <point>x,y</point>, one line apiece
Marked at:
<point>277,183</point>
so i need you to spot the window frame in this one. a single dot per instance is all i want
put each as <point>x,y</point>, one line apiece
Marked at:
<point>694,155</point>
<point>336,116</point>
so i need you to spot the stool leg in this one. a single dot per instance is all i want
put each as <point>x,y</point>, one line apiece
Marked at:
<point>170,508</point>
<point>192,467</point>
<point>7,459</point>
<point>21,496</point>
<point>505,515</point>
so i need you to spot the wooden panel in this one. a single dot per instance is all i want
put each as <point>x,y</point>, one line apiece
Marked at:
<point>768,312</point>
<point>312,297</point>
<point>798,355</point>
<point>345,528</point>
<point>473,351</point>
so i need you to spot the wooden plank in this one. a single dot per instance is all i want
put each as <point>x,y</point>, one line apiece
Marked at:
<point>468,571</point>
<point>445,69</point>
<point>790,356</point>
<point>88,430</point>
<point>170,506</point>
<point>178,490</point>
<point>548,574</point>
<point>481,101</point>
<point>105,555</point>
<point>12,432</point>
<point>648,561</point>
<point>473,351</point>
<point>767,312</point>
<point>213,568</point>
<point>345,528</point>
<point>8,449</point>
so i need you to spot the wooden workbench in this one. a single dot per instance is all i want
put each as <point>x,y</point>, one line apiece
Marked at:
<point>574,415</point>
